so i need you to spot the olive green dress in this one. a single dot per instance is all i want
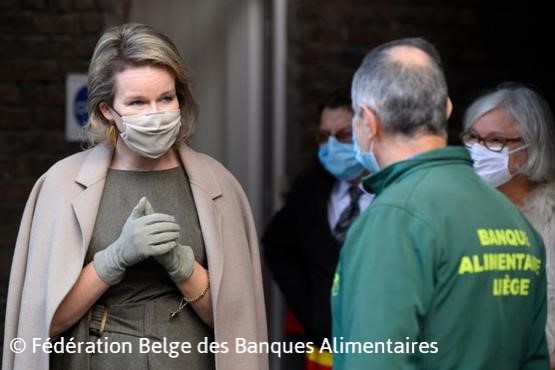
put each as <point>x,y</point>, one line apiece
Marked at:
<point>138,309</point>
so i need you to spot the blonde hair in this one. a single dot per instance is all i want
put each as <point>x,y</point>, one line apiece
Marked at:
<point>134,44</point>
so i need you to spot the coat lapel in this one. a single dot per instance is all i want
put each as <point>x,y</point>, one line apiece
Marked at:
<point>91,176</point>
<point>205,188</point>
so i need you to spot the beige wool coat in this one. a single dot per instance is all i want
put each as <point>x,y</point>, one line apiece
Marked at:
<point>539,209</point>
<point>56,229</point>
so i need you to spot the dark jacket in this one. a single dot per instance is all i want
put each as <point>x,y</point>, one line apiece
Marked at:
<point>302,253</point>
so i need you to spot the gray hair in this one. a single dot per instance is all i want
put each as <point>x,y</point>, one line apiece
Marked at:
<point>406,98</point>
<point>131,45</point>
<point>534,121</point>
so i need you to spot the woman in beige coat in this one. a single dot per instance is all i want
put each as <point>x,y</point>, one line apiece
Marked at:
<point>140,252</point>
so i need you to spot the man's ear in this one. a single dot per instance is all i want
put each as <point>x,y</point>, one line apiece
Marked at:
<point>106,111</point>
<point>371,121</point>
<point>449,108</point>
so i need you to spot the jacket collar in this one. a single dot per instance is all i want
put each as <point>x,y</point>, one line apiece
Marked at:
<point>206,188</point>
<point>199,172</point>
<point>91,176</point>
<point>396,172</point>
<point>96,165</point>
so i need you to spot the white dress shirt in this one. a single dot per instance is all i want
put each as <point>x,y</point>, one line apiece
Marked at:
<point>340,199</point>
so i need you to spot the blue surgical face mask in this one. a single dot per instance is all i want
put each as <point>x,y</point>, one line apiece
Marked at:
<point>367,159</point>
<point>339,159</point>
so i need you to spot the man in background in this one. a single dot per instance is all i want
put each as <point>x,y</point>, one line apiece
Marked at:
<point>303,240</point>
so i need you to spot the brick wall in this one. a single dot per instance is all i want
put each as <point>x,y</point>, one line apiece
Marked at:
<point>40,41</point>
<point>482,43</point>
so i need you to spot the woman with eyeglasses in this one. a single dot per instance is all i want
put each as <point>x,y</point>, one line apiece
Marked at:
<point>510,135</point>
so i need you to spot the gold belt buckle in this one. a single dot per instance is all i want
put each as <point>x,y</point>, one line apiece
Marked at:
<point>100,330</point>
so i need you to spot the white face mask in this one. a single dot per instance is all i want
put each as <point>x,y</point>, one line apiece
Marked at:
<point>492,167</point>
<point>151,134</point>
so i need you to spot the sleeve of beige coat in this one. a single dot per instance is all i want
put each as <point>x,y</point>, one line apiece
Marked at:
<point>257,268</point>
<point>17,275</point>
<point>254,250</point>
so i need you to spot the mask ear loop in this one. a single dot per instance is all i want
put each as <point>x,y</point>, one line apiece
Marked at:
<point>525,146</point>
<point>518,149</point>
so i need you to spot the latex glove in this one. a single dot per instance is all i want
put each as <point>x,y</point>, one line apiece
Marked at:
<point>179,262</point>
<point>142,236</point>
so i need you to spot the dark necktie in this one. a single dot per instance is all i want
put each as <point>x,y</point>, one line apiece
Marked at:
<point>348,215</point>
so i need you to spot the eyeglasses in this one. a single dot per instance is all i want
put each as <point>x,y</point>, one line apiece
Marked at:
<point>344,135</point>
<point>492,143</point>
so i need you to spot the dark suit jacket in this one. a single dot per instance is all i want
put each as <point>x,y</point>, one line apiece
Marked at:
<point>302,253</point>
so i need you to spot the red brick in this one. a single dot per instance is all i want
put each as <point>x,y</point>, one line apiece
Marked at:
<point>9,4</point>
<point>85,5</point>
<point>118,8</point>
<point>48,118</point>
<point>8,45</point>
<point>6,71</point>
<point>15,117</point>
<point>12,142</point>
<point>84,49</point>
<point>37,70</point>
<point>39,47</point>
<point>15,20</point>
<point>6,255</point>
<point>34,4</point>
<point>63,6</point>
<point>92,24</point>
<point>9,94</point>
<point>15,191</point>
<point>68,24</point>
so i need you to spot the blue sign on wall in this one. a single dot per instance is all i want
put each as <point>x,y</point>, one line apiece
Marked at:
<point>80,106</point>
<point>76,107</point>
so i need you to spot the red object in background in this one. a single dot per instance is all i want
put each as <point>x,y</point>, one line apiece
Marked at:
<point>291,325</point>
<point>318,360</point>
<point>312,365</point>
<point>314,360</point>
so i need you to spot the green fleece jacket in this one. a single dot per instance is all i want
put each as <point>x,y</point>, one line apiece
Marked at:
<point>440,272</point>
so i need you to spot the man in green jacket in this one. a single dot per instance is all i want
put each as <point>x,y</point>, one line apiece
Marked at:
<point>441,271</point>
